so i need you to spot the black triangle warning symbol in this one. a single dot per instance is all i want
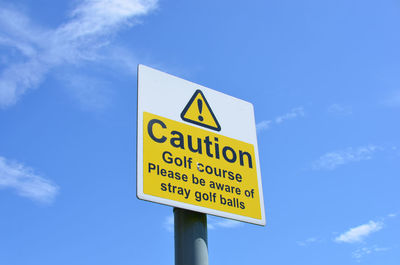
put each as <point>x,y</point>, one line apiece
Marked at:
<point>198,111</point>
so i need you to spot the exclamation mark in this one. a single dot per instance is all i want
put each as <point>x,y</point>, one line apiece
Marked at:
<point>200,106</point>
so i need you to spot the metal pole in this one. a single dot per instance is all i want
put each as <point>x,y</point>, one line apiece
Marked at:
<point>191,247</point>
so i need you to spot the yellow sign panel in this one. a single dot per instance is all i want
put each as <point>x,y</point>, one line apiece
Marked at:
<point>198,111</point>
<point>198,167</point>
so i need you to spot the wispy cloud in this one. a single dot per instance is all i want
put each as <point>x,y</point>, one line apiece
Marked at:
<point>308,241</point>
<point>292,114</point>
<point>212,223</point>
<point>393,100</point>
<point>361,252</point>
<point>335,159</point>
<point>25,182</point>
<point>358,233</point>
<point>264,125</point>
<point>169,223</point>
<point>339,110</point>
<point>225,223</point>
<point>89,28</point>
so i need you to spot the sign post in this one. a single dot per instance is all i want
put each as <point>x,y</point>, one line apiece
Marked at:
<point>196,151</point>
<point>190,232</point>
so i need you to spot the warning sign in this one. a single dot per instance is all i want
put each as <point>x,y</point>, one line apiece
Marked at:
<point>186,159</point>
<point>198,111</point>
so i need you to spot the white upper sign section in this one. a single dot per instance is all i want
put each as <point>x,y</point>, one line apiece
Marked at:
<point>235,116</point>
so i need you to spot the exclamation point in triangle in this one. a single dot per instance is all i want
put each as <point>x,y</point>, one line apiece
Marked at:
<point>198,111</point>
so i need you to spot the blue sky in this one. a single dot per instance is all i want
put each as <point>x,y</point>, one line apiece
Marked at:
<point>324,80</point>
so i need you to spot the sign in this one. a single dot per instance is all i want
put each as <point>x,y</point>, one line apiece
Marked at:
<point>197,149</point>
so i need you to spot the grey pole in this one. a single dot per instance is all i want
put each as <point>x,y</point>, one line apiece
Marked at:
<point>191,247</point>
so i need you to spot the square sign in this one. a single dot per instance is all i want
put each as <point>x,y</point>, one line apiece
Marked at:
<point>197,149</point>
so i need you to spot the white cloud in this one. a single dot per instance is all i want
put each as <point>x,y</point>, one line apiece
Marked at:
<point>358,233</point>
<point>212,223</point>
<point>89,28</point>
<point>340,110</point>
<point>263,125</point>
<point>99,17</point>
<point>25,182</point>
<point>215,222</point>
<point>169,223</point>
<point>361,252</point>
<point>308,241</point>
<point>226,223</point>
<point>393,100</point>
<point>292,114</point>
<point>332,160</point>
